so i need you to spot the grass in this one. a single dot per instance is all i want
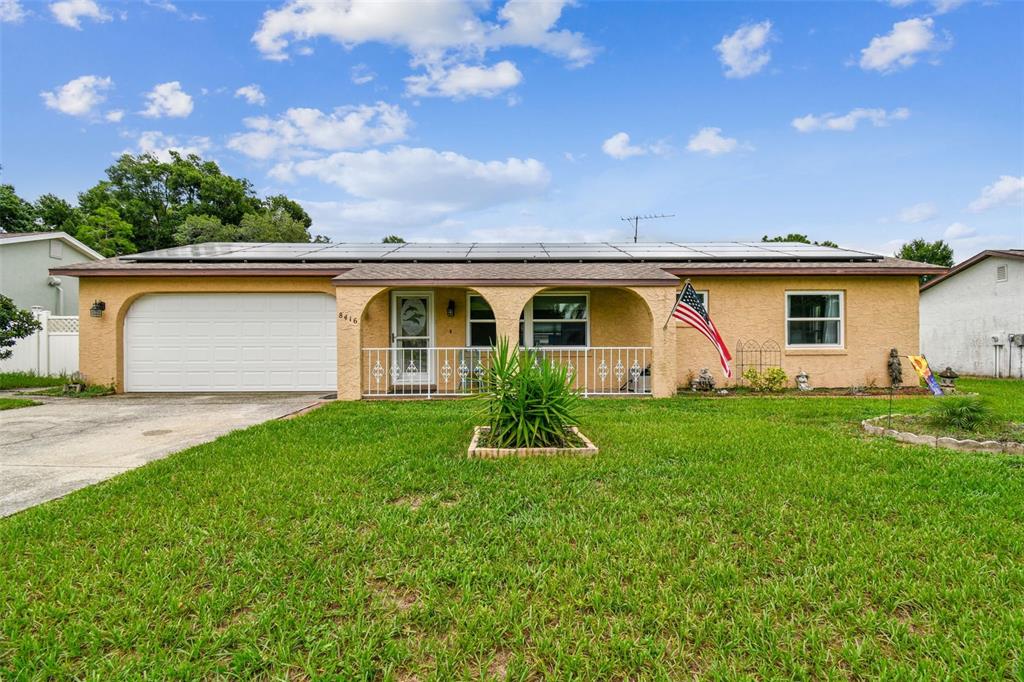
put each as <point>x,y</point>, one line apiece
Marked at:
<point>15,403</point>
<point>90,391</point>
<point>11,380</point>
<point>742,538</point>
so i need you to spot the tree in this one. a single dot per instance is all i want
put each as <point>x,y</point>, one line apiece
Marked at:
<point>54,213</point>
<point>15,323</point>
<point>800,238</point>
<point>16,214</point>
<point>291,207</point>
<point>392,239</point>
<point>272,226</point>
<point>156,197</point>
<point>205,228</point>
<point>104,231</point>
<point>936,253</point>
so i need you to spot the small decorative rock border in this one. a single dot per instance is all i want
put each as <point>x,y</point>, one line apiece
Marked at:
<point>476,450</point>
<point>940,441</point>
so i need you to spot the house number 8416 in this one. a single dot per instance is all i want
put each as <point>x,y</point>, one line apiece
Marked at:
<point>348,317</point>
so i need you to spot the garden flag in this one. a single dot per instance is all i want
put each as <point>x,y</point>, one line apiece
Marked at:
<point>691,310</point>
<point>925,372</point>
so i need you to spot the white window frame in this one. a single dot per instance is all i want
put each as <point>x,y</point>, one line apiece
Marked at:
<point>528,318</point>
<point>841,319</point>
<point>469,321</point>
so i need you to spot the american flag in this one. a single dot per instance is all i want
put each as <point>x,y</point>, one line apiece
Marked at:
<point>690,310</point>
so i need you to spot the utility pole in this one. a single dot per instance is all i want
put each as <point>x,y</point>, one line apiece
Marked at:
<point>634,220</point>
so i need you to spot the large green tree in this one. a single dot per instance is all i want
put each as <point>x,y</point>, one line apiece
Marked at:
<point>272,226</point>
<point>104,231</point>
<point>922,251</point>
<point>156,197</point>
<point>16,214</point>
<point>54,213</point>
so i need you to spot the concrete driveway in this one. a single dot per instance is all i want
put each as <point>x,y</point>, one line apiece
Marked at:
<point>50,450</point>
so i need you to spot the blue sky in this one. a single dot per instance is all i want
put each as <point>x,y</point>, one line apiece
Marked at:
<point>867,123</point>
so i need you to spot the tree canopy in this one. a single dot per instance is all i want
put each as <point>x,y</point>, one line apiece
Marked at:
<point>801,238</point>
<point>936,253</point>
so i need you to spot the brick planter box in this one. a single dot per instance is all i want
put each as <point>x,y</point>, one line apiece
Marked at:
<point>941,441</point>
<point>478,451</point>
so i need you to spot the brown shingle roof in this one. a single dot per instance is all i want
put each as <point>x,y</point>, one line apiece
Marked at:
<point>546,274</point>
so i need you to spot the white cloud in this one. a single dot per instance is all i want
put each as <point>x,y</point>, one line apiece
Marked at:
<point>918,213</point>
<point>848,122</point>
<point>11,12</point>
<point>78,97</point>
<point>618,147</point>
<point>168,6</point>
<point>302,131</point>
<point>711,142</point>
<point>449,38</point>
<point>901,47</point>
<point>161,145</point>
<point>252,94</point>
<point>959,231</point>
<point>168,99</point>
<point>461,81</point>
<point>419,185</point>
<point>1007,189</point>
<point>939,6</point>
<point>71,12</point>
<point>743,52</point>
<point>114,115</point>
<point>361,74</point>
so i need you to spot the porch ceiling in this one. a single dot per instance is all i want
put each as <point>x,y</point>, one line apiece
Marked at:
<point>510,274</point>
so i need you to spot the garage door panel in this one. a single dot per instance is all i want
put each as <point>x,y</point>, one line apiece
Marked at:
<point>231,342</point>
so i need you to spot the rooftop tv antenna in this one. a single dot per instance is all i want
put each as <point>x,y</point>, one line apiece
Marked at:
<point>634,220</point>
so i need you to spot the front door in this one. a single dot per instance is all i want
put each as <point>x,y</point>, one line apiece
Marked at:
<point>412,336</point>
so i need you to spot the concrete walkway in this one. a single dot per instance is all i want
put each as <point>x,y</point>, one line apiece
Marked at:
<point>50,450</point>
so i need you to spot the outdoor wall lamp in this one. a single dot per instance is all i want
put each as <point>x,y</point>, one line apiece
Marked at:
<point>97,308</point>
<point>451,308</point>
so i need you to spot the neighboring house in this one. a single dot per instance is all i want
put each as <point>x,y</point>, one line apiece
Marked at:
<point>418,319</point>
<point>25,262</point>
<point>972,318</point>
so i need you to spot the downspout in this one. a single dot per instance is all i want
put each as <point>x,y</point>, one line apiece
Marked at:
<point>55,283</point>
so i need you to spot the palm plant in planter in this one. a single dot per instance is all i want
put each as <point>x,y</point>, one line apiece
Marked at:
<point>528,402</point>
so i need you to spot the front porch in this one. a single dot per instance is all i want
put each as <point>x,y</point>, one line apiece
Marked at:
<point>434,342</point>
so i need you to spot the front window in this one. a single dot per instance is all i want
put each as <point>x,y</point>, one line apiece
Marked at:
<point>814,319</point>
<point>547,320</point>
<point>556,320</point>
<point>483,330</point>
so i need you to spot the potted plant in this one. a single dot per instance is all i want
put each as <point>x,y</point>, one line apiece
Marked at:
<point>530,407</point>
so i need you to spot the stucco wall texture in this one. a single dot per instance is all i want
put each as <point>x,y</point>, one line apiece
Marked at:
<point>880,313</point>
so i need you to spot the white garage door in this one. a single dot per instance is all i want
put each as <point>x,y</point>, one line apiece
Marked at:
<point>231,342</point>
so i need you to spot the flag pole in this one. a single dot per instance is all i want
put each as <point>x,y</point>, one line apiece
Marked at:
<point>669,319</point>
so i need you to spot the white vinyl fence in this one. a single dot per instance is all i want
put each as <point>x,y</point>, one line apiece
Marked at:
<point>51,351</point>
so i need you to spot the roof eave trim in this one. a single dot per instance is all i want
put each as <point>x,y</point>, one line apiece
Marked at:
<point>805,272</point>
<point>538,282</point>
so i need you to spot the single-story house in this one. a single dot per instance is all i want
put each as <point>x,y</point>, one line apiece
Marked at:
<point>378,320</point>
<point>25,262</point>
<point>972,318</point>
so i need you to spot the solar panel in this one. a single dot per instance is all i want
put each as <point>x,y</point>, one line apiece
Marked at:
<point>487,251</point>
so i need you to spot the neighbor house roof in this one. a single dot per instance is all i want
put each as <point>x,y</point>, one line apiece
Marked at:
<point>973,260</point>
<point>18,237</point>
<point>542,263</point>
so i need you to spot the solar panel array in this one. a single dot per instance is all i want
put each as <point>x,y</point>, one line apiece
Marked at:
<point>491,252</point>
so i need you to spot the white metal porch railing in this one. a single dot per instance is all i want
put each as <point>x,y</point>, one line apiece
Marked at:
<point>431,371</point>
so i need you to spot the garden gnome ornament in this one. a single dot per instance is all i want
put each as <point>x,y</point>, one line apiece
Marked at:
<point>705,382</point>
<point>803,382</point>
<point>895,368</point>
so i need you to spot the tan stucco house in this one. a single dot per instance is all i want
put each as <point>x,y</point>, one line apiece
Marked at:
<point>401,320</point>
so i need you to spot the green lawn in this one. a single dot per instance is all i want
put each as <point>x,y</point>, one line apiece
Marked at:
<point>759,538</point>
<point>9,380</point>
<point>15,403</point>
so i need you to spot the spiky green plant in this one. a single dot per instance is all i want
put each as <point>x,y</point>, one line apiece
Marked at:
<point>528,401</point>
<point>964,412</point>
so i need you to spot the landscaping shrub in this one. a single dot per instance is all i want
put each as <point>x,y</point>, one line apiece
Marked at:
<point>772,380</point>
<point>963,412</point>
<point>529,402</point>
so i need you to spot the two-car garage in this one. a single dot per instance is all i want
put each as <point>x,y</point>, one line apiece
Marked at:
<point>231,342</point>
